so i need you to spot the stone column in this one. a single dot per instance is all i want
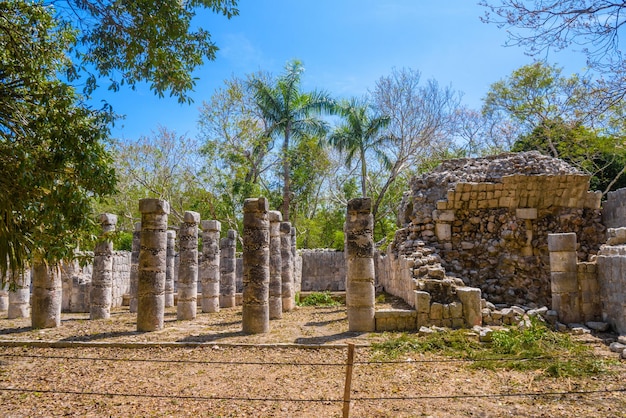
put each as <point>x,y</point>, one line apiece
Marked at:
<point>563,277</point>
<point>210,271</point>
<point>101,294</point>
<point>256,271</point>
<point>287,263</point>
<point>134,267</point>
<point>188,267</point>
<point>4,297</point>
<point>19,299</point>
<point>46,298</point>
<point>275,286</point>
<point>152,264</point>
<point>359,251</point>
<point>170,268</point>
<point>228,266</point>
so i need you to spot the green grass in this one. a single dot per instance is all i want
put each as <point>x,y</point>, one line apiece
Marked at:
<point>319,299</point>
<point>532,348</point>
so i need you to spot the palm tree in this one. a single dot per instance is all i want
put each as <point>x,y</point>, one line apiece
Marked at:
<point>360,132</point>
<point>290,114</point>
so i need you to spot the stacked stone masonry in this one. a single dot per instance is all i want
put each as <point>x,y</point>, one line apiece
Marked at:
<point>488,219</point>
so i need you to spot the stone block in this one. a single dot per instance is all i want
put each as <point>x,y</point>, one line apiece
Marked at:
<point>526,213</point>
<point>436,311</point>
<point>211,225</point>
<point>470,298</point>
<point>563,261</point>
<point>563,282</point>
<point>456,310</point>
<point>422,302</point>
<point>562,242</point>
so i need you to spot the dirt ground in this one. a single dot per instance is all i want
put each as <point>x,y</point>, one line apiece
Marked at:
<point>208,367</point>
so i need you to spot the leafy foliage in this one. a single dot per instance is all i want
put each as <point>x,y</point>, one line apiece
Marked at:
<point>136,41</point>
<point>53,160</point>
<point>319,299</point>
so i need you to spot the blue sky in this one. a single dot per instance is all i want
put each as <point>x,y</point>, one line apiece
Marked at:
<point>345,45</point>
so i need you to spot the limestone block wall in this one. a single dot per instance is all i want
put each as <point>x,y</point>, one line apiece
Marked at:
<point>614,209</point>
<point>488,219</point>
<point>323,270</point>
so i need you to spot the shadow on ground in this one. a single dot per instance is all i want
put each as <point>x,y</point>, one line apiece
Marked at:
<point>325,339</point>
<point>102,336</point>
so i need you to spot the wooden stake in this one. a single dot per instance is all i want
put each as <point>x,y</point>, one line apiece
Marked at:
<point>348,385</point>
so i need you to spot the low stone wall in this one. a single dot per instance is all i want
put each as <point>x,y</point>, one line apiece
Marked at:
<point>323,270</point>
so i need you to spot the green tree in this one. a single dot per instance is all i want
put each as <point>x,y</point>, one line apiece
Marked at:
<point>236,151</point>
<point>130,42</point>
<point>290,115</point>
<point>53,160</point>
<point>360,132</point>
<point>603,156</point>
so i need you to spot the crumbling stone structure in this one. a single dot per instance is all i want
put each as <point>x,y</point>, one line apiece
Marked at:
<point>486,222</point>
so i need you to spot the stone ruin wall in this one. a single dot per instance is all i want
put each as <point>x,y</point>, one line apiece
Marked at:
<point>486,222</point>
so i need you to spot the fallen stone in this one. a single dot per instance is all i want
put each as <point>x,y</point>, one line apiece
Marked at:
<point>617,347</point>
<point>621,339</point>
<point>425,331</point>
<point>560,327</point>
<point>597,326</point>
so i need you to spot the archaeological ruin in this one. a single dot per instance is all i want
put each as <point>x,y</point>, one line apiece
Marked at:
<point>480,241</point>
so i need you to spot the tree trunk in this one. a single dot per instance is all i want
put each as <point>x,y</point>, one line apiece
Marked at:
<point>286,176</point>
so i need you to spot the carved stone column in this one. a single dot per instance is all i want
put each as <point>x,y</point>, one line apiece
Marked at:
<point>188,268</point>
<point>287,267</point>
<point>134,267</point>
<point>256,272</point>
<point>359,251</point>
<point>102,277</point>
<point>275,286</point>
<point>152,264</point>
<point>170,268</point>
<point>210,271</point>
<point>228,267</point>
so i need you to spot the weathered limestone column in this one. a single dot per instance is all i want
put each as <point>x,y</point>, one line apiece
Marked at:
<point>170,268</point>
<point>359,251</point>
<point>256,270</point>
<point>19,299</point>
<point>228,266</point>
<point>4,297</point>
<point>528,214</point>
<point>470,299</point>
<point>46,298</point>
<point>275,286</point>
<point>287,262</point>
<point>188,269</point>
<point>152,264</point>
<point>101,293</point>
<point>563,275</point>
<point>134,267</point>
<point>210,271</point>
